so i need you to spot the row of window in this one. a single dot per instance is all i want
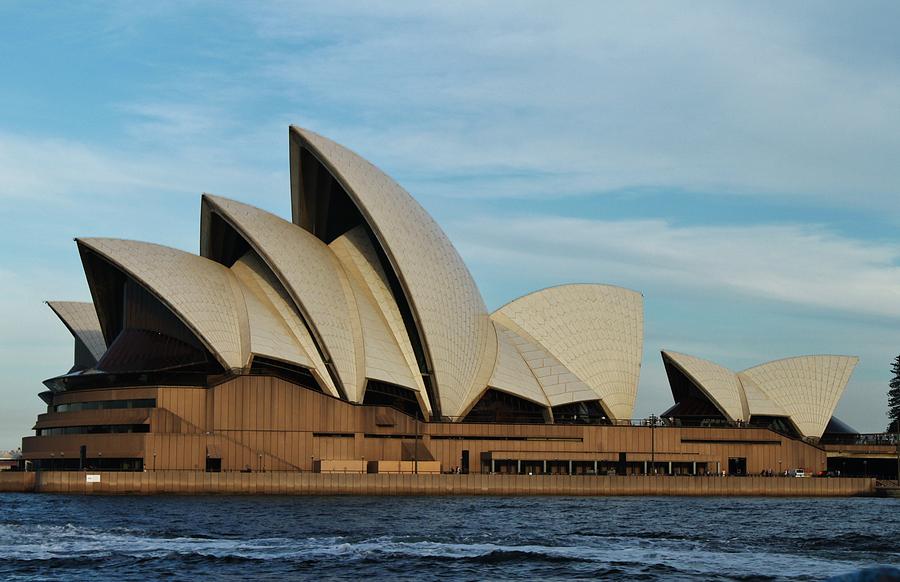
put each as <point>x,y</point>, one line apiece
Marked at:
<point>98,464</point>
<point>106,405</point>
<point>450,437</point>
<point>95,429</point>
<point>457,437</point>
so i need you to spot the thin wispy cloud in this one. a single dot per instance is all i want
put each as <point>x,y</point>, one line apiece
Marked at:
<point>63,171</point>
<point>731,99</point>
<point>804,265</point>
<point>53,169</point>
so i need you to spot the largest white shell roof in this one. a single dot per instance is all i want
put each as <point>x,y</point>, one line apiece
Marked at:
<point>456,329</point>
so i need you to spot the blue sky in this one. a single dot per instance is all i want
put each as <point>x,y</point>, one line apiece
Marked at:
<point>736,162</point>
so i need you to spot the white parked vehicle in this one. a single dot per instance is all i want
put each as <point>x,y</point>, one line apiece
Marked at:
<point>799,473</point>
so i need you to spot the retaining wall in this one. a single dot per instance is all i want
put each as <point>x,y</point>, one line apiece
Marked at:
<point>292,483</point>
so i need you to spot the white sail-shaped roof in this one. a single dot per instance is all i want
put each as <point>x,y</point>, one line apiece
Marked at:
<point>758,402</point>
<point>594,331</point>
<point>557,383</point>
<point>313,276</point>
<point>203,294</point>
<point>720,384</point>
<point>807,387</point>
<point>512,373</point>
<point>452,320</point>
<point>270,335</point>
<point>260,280</point>
<point>388,354</point>
<point>80,318</point>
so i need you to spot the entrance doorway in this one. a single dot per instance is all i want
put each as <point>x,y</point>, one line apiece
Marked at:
<point>737,465</point>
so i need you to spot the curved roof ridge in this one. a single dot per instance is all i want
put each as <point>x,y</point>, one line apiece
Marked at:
<point>559,384</point>
<point>799,357</point>
<point>279,299</point>
<point>270,334</point>
<point>561,285</point>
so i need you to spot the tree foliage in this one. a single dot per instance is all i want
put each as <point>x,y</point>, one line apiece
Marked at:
<point>894,396</point>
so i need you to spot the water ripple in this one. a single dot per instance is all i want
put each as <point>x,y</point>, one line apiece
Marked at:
<point>185,538</point>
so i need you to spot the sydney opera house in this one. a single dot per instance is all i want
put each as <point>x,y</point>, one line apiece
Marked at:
<point>353,338</point>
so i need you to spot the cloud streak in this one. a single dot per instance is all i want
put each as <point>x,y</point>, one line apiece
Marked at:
<point>158,160</point>
<point>799,264</point>
<point>732,98</point>
<point>36,168</point>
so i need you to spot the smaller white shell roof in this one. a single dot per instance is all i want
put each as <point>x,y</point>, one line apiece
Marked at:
<point>758,402</point>
<point>202,293</point>
<point>313,276</point>
<point>389,337</point>
<point>557,383</point>
<point>384,359</point>
<point>80,318</point>
<point>594,331</point>
<point>251,270</point>
<point>270,335</point>
<point>806,387</point>
<point>719,383</point>
<point>512,373</point>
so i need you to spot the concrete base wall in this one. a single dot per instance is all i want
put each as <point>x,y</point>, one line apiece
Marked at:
<point>16,482</point>
<point>292,483</point>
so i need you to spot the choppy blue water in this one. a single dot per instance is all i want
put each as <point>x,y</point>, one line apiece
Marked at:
<point>449,538</point>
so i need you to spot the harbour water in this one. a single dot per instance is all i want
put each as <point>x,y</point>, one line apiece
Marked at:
<point>442,538</point>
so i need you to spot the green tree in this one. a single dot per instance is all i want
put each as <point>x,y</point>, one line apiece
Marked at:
<point>894,396</point>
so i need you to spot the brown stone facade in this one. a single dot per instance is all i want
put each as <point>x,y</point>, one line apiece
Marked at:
<point>265,424</point>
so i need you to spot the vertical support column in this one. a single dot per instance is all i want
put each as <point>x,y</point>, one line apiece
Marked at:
<point>670,467</point>
<point>645,467</point>
<point>359,445</point>
<point>570,467</point>
<point>493,468</point>
<point>596,468</point>
<point>519,467</point>
<point>694,469</point>
<point>545,467</point>
<point>416,449</point>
